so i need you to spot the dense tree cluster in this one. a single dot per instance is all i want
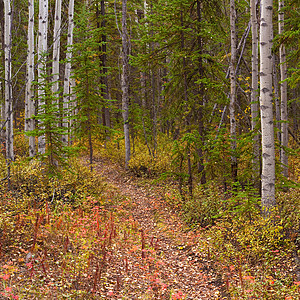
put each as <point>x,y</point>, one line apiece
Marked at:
<point>206,74</point>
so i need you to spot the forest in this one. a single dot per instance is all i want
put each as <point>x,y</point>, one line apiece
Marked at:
<point>149,149</point>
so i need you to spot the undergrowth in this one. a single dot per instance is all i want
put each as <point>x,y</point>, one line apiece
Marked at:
<point>73,238</point>
<point>257,257</point>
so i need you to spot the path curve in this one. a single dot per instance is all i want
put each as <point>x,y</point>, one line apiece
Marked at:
<point>184,268</point>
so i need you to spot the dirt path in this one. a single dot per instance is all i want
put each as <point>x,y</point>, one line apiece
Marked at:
<point>180,268</point>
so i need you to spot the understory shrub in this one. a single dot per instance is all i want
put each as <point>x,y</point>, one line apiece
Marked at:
<point>30,180</point>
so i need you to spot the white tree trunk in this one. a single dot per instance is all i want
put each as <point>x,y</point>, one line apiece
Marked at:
<point>283,95</point>
<point>8,85</point>
<point>56,49</point>
<point>276,99</point>
<point>254,88</point>
<point>29,94</point>
<point>42,50</point>
<point>125,82</point>
<point>233,88</point>
<point>67,80</point>
<point>266,107</point>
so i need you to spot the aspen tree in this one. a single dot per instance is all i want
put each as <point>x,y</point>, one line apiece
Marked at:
<point>67,79</point>
<point>283,94</point>
<point>29,93</point>
<point>125,82</point>
<point>233,89</point>
<point>56,48</point>
<point>2,85</point>
<point>42,51</point>
<point>254,87</point>
<point>266,108</point>
<point>8,83</point>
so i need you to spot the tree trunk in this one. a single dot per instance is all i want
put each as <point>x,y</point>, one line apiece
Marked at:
<point>42,52</point>
<point>125,82</point>
<point>188,121</point>
<point>154,92</point>
<point>56,50</point>
<point>103,62</point>
<point>67,79</point>
<point>266,108</point>
<point>2,116</point>
<point>254,92</point>
<point>8,87</point>
<point>29,94</point>
<point>276,99</point>
<point>200,165</point>
<point>283,95</point>
<point>233,90</point>
<point>8,83</point>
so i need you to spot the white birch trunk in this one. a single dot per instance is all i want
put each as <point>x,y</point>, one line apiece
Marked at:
<point>8,85</point>
<point>276,99</point>
<point>29,93</point>
<point>233,88</point>
<point>125,82</point>
<point>42,50</point>
<point>67,80</point>
<point>283,95</point>
<point>266,108</point>
<point>56,49</point>
<point>254,88</point>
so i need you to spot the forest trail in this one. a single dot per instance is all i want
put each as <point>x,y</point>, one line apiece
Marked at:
<point>176,264</point>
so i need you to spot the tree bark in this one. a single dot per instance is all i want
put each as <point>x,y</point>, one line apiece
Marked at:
<point>188,121</point>
<point>276,99</point>
<point>283,95</point>
<point>103,65</point>
<point>125,82</point>
<point>266,108</point>
<point>29,93</point>
<point>56,50</point>
<point>42,52</point>
<point>200,165</point>
<point>8,87</point>
<point>254,91</point>
<point>233,89</point>
<point>67,80</point>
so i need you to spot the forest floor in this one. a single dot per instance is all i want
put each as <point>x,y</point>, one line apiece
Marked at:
<point>108,234</point>
<point>174,265</point>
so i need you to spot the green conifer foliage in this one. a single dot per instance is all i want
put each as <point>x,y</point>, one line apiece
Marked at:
<point>87,72</point>
<point>56,154</point>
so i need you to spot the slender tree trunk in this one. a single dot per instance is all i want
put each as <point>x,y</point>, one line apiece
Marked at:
<point>8,88</point>
<point>125,82</point>
<point>276,99</point>
<point>266,108</point>
<point>254,91</point>
<point>56,49</point>
<point>42,52</point>
<point>67,80</point>
<point>154,92</point>
<point>103,62</point>
<point>188,121</point>
<point>8,83</point>
<point>29,93</point>
<point>2,133</point>
<point>201,168</point>
<point>283,95</point>
<point>233,89</point>
<point>143,88</point>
